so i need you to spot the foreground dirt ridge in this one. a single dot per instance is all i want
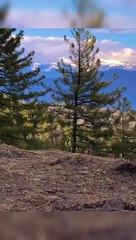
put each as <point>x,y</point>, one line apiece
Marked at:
<point>54,180</point>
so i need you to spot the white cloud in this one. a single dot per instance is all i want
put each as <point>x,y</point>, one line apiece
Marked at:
<point>66,60</point>
<point>38,38</point>
<point>107,42</point>
<point>51,49</point>
<point>35,66</point>
<point>112,53</point>
<point>125,56</point>
<point>47,49</point>
<point>28,18</point>
<point>128,52</point>
<point>111,62</point>
<point>52,66</point>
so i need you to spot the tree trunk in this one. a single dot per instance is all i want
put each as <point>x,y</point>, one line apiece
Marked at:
<point>74,132</point>
<point>123,136</point>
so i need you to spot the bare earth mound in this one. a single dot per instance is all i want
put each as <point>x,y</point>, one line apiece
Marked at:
<point>55,180</point>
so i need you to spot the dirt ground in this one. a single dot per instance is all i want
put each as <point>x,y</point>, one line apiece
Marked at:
<point>54,180</point>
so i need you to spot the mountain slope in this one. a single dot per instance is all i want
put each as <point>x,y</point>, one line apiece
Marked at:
<point>127,77</point>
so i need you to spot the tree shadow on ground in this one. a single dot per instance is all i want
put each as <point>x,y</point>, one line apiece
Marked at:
<point>126,168</point>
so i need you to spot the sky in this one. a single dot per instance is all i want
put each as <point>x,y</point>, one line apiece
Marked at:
<point>116,46</point>
<point>51,13</point>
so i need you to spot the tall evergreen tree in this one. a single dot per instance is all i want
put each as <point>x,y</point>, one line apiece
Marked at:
<point>17,82</point>
<point>125,107</point>
<point>124,136</point>
<point>80,87</point>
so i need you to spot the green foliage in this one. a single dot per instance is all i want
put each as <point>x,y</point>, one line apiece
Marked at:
<point>81,89</point>
<point>123,144</point>
<point>17,97</point>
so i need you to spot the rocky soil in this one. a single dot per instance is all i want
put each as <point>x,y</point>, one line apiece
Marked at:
<point>54,180</point>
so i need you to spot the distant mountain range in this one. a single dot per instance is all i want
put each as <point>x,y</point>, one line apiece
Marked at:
<point>125,66</point>
<point>127,77</point>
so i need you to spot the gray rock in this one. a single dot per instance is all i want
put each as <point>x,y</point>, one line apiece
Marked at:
<point>114,204</point>
<point>9,152</point>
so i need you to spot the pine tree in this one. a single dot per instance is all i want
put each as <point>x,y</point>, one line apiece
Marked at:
<point>124,137</point>
<point>41,123</point>
<point>17,82</point>
<point>99,130</point>
<point>125,107</point>
<point>80,87</point>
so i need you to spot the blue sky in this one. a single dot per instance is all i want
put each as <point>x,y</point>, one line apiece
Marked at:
<point>40,4</point>
<point>110,6</point>
<point>50,13</point>
<point>127,37</point>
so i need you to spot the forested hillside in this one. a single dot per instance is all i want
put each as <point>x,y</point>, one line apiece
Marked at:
<point>83,114</point>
